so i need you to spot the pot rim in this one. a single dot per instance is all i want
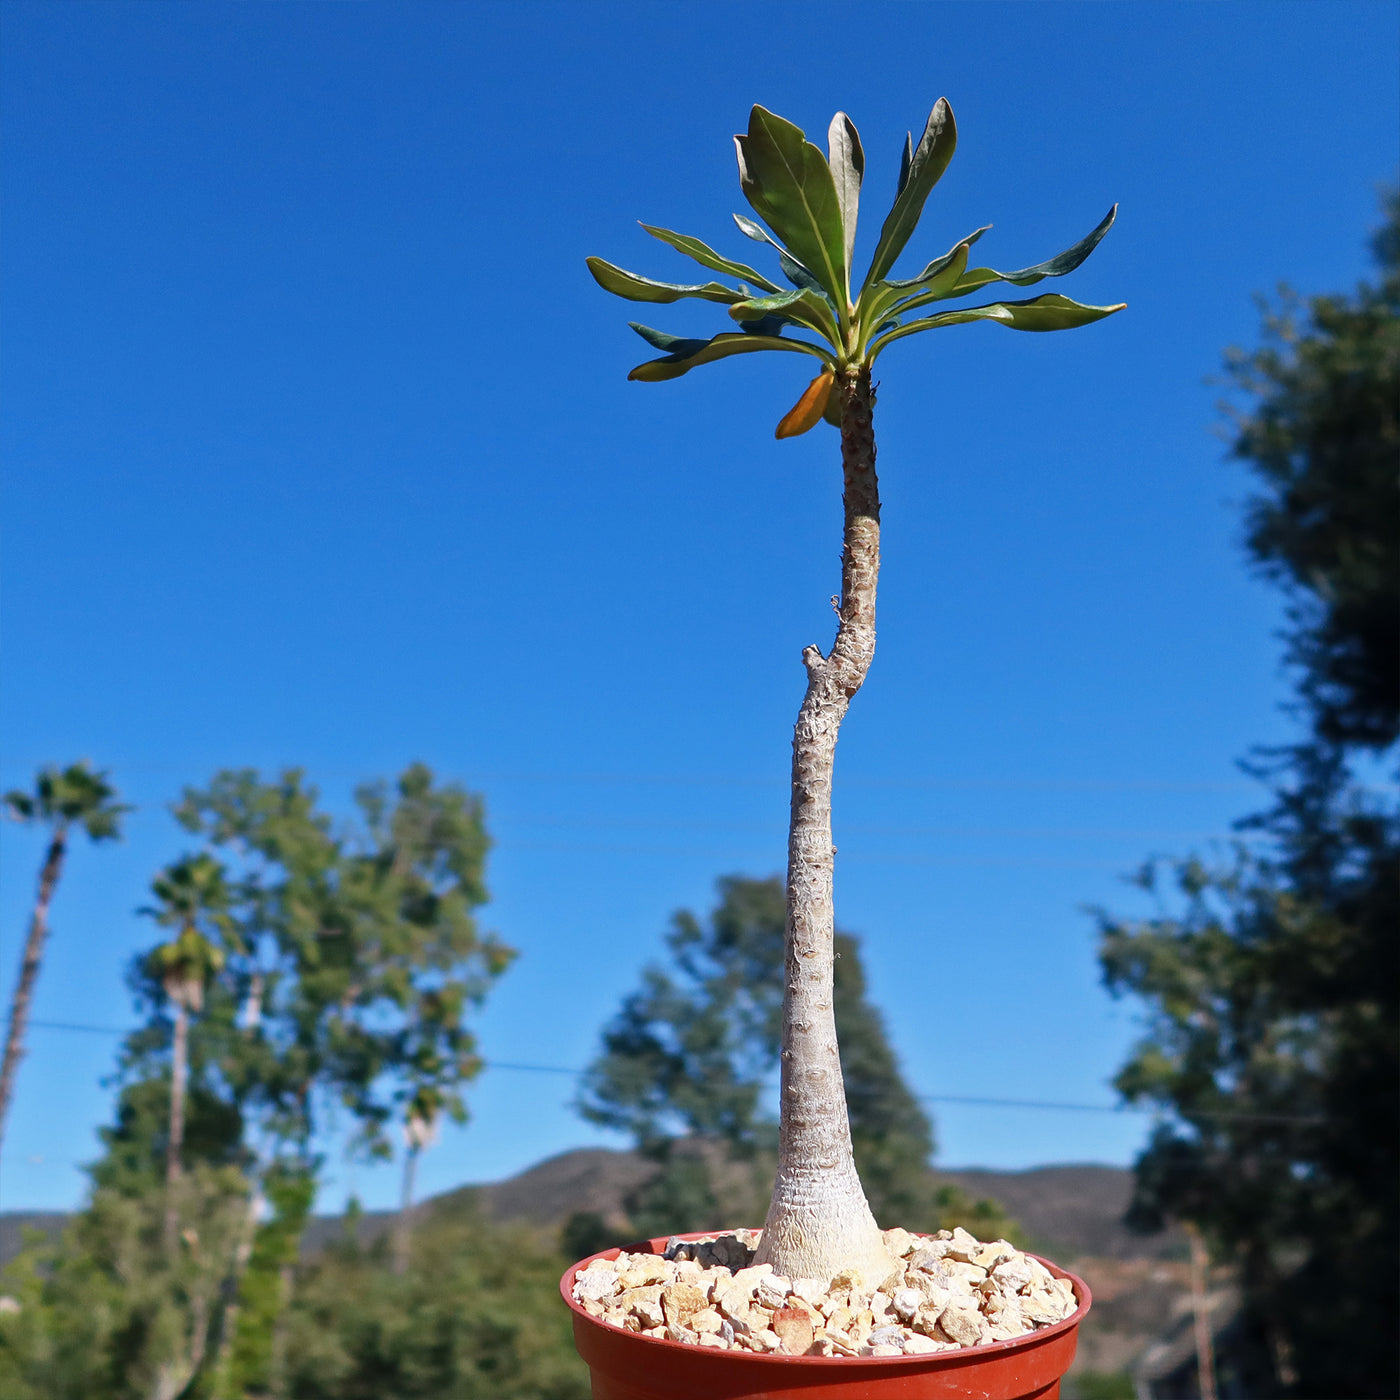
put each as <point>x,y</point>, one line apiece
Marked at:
<point>985,1349</point>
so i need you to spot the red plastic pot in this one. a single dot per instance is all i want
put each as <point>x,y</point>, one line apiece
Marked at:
<point>628,1366</point>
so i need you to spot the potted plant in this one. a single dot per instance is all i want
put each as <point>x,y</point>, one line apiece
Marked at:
<point>819,1225</point>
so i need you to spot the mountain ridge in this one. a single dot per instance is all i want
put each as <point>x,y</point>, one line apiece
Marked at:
<point>1068,1210</point>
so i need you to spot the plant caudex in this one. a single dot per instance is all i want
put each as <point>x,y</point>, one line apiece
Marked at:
<point>809,202</point>
<point>819,1222</point>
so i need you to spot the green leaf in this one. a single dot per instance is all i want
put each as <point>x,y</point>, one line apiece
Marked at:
<point>915,284</point>
<point>847,161</point>
<point>940,284</point>
<point>707,257</point>
<point>938,281</point>
<point>945,318</point>
<point>627,284</point>
<point>755,307</point>
<point>1057,266</point>
<point>793,270</point>
<point>906,159</point>
<point>720,347</point>
<point>669,344</point>
<point>767,325</point>
<point>1053,312</point>
<point>788,182</point>
<point>926,166</point>
<point>1044,313</point>
<point>803,307</point>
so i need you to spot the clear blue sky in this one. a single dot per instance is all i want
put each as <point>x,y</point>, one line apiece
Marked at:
<point>319,450</point>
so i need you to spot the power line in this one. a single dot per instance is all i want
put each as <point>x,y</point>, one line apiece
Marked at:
<point>73,1026</point>
<point>1219,1116</point>
<point>977,1101</point>
<point>779,780</point>
<point>778,827</point>
<point>849,857</point>
<point>981,1101</point>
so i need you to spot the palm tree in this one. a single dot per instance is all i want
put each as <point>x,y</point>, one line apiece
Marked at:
<point>818,1221</point>
<point>60,800</point>
<point>193,900</point>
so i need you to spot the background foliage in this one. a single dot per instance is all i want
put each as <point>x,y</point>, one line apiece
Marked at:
<point>1271,984</point>
<point>348,960</point>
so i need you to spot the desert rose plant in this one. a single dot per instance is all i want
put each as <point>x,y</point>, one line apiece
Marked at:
<point>818,1221</point>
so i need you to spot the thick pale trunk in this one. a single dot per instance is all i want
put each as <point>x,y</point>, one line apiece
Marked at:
<point>819,1222</point>
<point>176,1139</point>
<point>29,969</point>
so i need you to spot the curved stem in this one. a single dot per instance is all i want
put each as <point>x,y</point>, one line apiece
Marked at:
<point>29,968</point>
<point>819,1221</point>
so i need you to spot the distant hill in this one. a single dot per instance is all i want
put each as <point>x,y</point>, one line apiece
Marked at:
<point>13,1224</point>
<point>544,1196</point>
<point>1068,1211</point>
<point>1071,1211</point>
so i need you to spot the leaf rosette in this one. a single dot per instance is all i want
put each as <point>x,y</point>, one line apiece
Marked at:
<point>808,203</point>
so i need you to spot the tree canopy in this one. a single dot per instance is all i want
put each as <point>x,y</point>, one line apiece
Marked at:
<point>811,202</point>
<point>362,949</point>
<point>1271,987</point>
<point>1322,434</point>
<point>333,969</point>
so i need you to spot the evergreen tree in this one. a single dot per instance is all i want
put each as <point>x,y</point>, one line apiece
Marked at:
<point>1272,994</point>
<point>1322,434</point>
<point>686,1059</point>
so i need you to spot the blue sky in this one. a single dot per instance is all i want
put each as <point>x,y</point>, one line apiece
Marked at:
<point>318,450</point>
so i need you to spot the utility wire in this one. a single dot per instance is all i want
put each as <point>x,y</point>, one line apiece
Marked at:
<point>976,1101</point>
<point>73,1026</point>
<point>983,1102</point>
<point>850,857</point>
<point>778,779</point>
<point>778,826</point>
